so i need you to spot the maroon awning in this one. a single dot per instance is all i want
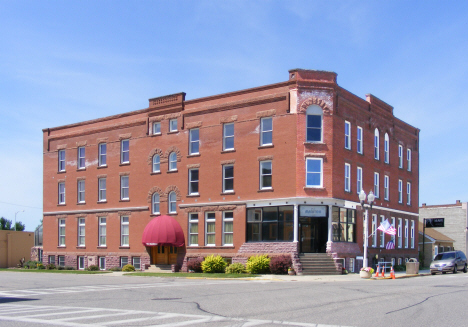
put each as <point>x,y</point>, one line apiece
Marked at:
<point>163,230</point>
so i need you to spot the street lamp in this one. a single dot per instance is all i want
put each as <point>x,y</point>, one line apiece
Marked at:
<point>17,212</point>
<point>370,200</point>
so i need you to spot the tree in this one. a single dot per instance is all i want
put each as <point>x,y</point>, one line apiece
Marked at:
<point>19,226</point>
<point>6,224</point>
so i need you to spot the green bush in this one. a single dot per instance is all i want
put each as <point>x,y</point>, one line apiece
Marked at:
<point>31,264</point>
<point>236,268</point>
<point>40,266</point>
<point>93,268</point>
<point>128,267</point>
<point>115,269</point>
<point>51,266</point>
<point>399,268</point>
<point>69,268</point>
<point>61,267</point>
<point>258,264</point>
<point>213,264</point>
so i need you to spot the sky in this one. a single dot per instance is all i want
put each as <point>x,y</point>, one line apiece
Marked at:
<point>63,62</point>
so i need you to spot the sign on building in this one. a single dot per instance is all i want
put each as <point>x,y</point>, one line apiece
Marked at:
<point>313,211</point>
<point>434,222</point>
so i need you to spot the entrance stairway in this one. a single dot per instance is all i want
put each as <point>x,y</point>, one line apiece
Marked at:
<point>318,264</point>
<point>159,269</point>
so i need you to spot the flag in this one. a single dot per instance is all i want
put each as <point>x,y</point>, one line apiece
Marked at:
<point>390,245</point>
<point>387,228</point>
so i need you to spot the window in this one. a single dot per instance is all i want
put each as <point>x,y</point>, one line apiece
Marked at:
<point>270,224</point>
<point>81,191</point>
<point>102,263</point>
<point>347,178</point>
<point>347,139</point>
<point>173,125</point>
<point>124,151</point>
<point>173,161</point>
<point>399,232</point>
<point>408,158</point>
<point>52,259</point>
<point>400,261</point>
<point>61,232</point>
<point>193,181</point>
<point>351,264</point>
<point>228,136</point>
<point>313,172</point>
<point>376,184</point>
<point>359,140</point>
<point>314,123</point>
<point>386,149</point>
<point>359,180</point>
<point>265,175</point>
<point>81,232</point>
<point>61,193</point>
<point>81,158</point>
<point>194,141</point>
<point>155,204</point>
<point>382,234</point>
<point>228,230</point>
<point>376,144</point>
<point>156,128</point>
<point>266,131</point>
<point>123,261</point>
<point>374,231</point>
<point>102,231</point>
<point>102,189</point>
<point>124,188</point>
<point>172,202</point>
<point>81,262</point>
<point>102,154</point>
<point>412,234</point>
<point>193,229</point>
<point>408,193</point>
<point>400,191</point>
<point>406,233</point>
<point>61,160</point>
<point>400,156</point>
<point>386,190</point>
<point>343,225</point>
<point>136,263</point>
<point>228,178</point>
<point>156,163</point>
<point>210,228</point>
<point>124,231</point>
<point>61,260</point>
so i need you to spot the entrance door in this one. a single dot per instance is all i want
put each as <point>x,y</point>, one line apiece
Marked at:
<point>313,234</point>
<point>164,255</point>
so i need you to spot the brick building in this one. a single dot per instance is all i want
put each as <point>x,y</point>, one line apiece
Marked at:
<point>274,169</point>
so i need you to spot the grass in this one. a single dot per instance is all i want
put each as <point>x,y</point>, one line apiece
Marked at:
<point>82,272</point>
<point>191,275</point>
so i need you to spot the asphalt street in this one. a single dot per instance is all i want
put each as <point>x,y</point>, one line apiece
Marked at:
<point>41,299</point>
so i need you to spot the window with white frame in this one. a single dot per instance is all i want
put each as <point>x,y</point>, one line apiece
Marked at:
<point>408,159</point>
<point>124,151</point>
<point>81,231</point>
<point>228,178</point>
<point>102,231</point>
<point>193,181</point>
<point>266,131</point>
<point>359,179</point>
<point>392,260</point>
<point>61,160</point>
<point>124,231</point>
<point>400,156</point>
<point>376,185</point>
<point>136,263</point>
<point>123,261</point>
<point>81,191</point>
<point>61,193</point>
<point>61,260</point>
<point>172,202</point>
<point>194,135</point>
<point>61,232</point>
<point>155,203</point>
<point>382,234</point>
<point>102,155</point>
<point>173,161</point>
<point>156,163</point>
<point>210,219</point>
<point>228,228</point>
<point>173,125</point>
<point>52,259</point>
<point>124,188</point>
<point>102,189</point>
<point>436,250</point>
<point>376,144</point>
<point>347,140</point>
<point>386,149</point>
<point>157,128</point>
<point>406,233</point>
<point>228,136</point>
<point>81,162</point>
<point>408,193</point>
<point>81,262</point>
<point>265,175</point>
<point>400,261</point>
<point>347,178</point>
<point>399,232</point>
<point>359,140</point>
<point>412,234</point>
<point>351,264</point>
<point>400,191</point>
<point>314,123</point>
<point>314,176</point>
<point>374,231</point>
<point>393,222</point>
<point>193,229</point>
<point>386,187</point>
<point>102,263</point>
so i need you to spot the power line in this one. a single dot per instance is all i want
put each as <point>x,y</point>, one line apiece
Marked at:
<point>20,205</point>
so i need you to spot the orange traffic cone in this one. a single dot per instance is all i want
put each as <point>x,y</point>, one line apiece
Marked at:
<point>383,271</point>
<point>377,272</point>
<point>392,273</point>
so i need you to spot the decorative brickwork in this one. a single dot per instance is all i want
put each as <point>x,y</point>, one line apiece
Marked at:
<point>194,124</point>
<point>102,140</point>
<point>152,153</point>
<point>125,136</point>
<point>124,173</point>
<point>174,188</point>
<point>262,158</point>
<point>173,149</point>
<point>61,146</point>
<point>229,119</point>
<point>228,162</point>
<point>193,166</point>
<point>266,113</point>
<point>155,189</point>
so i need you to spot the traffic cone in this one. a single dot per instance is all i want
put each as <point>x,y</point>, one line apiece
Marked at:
<point>377,271</point>
<point>383,271</point>
<point>392,273</point>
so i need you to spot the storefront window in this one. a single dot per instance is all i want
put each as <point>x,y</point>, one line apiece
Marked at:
<point>270,224</point>
<point>344,225</point>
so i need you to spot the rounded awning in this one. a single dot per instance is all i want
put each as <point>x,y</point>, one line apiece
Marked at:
<point>163,230</point>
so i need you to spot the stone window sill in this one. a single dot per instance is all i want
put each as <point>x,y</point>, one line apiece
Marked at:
<point>104,201</point>
<point>102,167</point>
<point>124,164</point>
<point>193,195</point>
<point>266,146</point>
<point>172,171</point>
<point>156,173</point>
<point>102,247</point>
<point>173,132</point>
<point>265,190</point>
<point>314,188</point>
<point>80,203</point>
<point>228,193</point>
<point>194,155</point>
<point>228,151</point>
<point>81,247</point>
<point>61,205</point>
<point>124,247</point>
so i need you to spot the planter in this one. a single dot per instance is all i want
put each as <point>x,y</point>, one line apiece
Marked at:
<point>291,272</point>
<point>365,274</point>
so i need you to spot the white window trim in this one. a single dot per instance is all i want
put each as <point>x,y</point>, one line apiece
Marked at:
<point>347,176</point>
<point>376,144</point>
<point>400,156</point>
<point>102,266</point>
<point>172,199</point>
<point>124,188</point>
<point>134,263</point>
<point>386,149</point>
<point>172,161</point>
<point>123,261</point>
<point>122,151</point>
<point>62,193</point>
<point>122,235</point>
<point>157,123</point>
<point>224,232</point>
<point>62,163</point>
<point>377,185</point>
<point>382,234</point>
<point>102,191</point>
<point>408,193</point>
<point>158,163</point>
<point>400,234</point>
<point>360,144</point>
<point>263,131</point>
<point>321,172</point>
<point>81,262</point>
<point>400,191</point>
<point>406,233</point>
<point>359,179</point>
<point>226,137</point>
<point>193,221</point>
<point>412,234</point>
<point>102,223</point>
<point>209,220</point>
<point>81,156</point>
<point>101,155</point>
<point>192,142</point>
<point>225,179</point>
<point>193,181</point>
<point>81,223</point>
<point>348,135</point>
<point>153,202</point>
<point>81,191</point>
<point>374,230</point>
<point>61,224</point>
<point>315,110</point>
<point>386,187</point>
<point>262,187</point>
<point>173,122</point>
<point>408,159</point>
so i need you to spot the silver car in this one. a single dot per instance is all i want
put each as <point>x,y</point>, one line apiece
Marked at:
<point>449,261</point>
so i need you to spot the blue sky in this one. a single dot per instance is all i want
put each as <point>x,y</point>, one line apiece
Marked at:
<point>63,62</point>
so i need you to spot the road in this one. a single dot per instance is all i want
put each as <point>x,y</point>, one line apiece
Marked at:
<point>41,299</point>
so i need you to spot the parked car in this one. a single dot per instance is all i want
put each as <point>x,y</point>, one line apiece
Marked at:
<point>449,261</point>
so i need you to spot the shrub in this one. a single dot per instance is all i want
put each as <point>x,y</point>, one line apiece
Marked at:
<point>93,268</point>
<point>195,265</point>
<point>51,266</point>
<point>236,268</point>
<point>69,268</point>
<point>213,264</point>
<point>279,265</point>
<point>60,267</point>
<point>399,268</point>
<point>258,264</point>
<point>40,266</point>
<point>128,267</point>
<point>115,269</point>
<point>31,265</point>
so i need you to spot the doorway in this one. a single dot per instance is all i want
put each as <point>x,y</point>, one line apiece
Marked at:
<point>313,234</point>
<point>163,255</point>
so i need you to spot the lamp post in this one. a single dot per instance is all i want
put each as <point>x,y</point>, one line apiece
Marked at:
<point>17,212</point>
<point>370,200</point>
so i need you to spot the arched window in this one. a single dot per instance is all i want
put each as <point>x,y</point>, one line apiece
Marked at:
<point>387,149</point>
<point>155,203</point>
<point>376,144</point>
<point>156,163</point>
<point>314,117</point>
<point>173,161</point>
<point>172,202</point>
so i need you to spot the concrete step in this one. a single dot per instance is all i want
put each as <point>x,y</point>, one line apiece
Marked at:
<point>159,269</point>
